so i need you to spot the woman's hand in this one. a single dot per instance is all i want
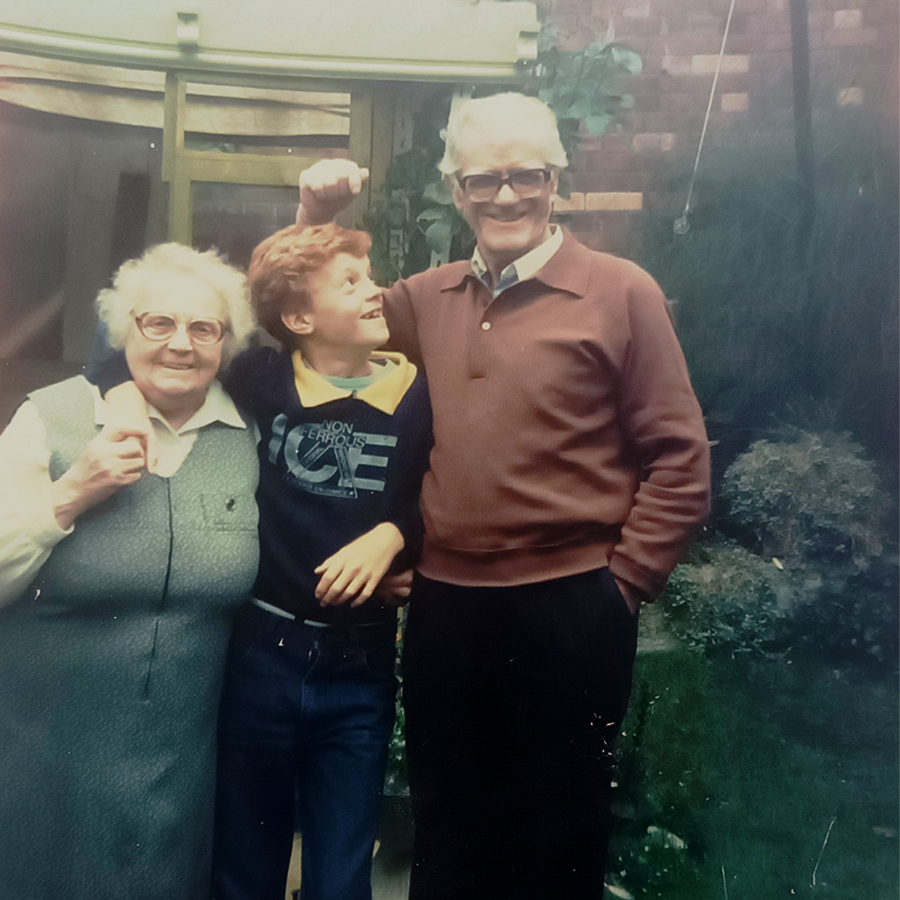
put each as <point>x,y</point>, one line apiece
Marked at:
<point>354,571</point>
<point>110,461</point>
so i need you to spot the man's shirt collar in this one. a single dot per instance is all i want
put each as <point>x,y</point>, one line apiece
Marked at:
<point>522,269</point>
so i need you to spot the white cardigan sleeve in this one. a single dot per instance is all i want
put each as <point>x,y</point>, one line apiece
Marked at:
<point>28,528</point>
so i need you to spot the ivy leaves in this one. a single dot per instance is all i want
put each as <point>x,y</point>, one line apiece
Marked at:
<point>441,222</point>
<point>580,84</point>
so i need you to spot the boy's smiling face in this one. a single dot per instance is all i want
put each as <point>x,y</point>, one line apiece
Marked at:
<point>344,309</point>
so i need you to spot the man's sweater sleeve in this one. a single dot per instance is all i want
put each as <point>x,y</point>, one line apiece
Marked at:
<point>237,378</point>
<point>111,371</point>
<point>401,320</point>
<point>663,427</point>
<point>411,465</point>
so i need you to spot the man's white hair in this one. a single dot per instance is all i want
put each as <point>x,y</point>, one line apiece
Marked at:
<point>135,282</point>
<point>523,118</point>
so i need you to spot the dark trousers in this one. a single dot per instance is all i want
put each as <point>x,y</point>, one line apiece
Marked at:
<point>306,713</point>
<point>513,698</point>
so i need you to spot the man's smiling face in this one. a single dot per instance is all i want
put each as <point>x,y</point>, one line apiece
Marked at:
<point>507,226</point>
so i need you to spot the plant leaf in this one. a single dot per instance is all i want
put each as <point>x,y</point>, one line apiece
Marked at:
<point>438,192</point>
<point>629,60</point>
<point>597,124</point>
<point>438,236</point>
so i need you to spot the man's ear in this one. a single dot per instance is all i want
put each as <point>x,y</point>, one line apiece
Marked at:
<point>554,181</point>
<point>298,321</point>
<point>455,191</point>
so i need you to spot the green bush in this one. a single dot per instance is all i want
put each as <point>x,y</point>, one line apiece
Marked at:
<point>728,598</point>
<point>731,599</point>
<point>814,497</point>
<point>814,509</point>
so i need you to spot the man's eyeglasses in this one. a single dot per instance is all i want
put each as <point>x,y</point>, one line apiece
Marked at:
<point>160,327</point>
<point>485,186</point>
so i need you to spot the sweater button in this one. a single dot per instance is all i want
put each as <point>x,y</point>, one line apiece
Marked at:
<point>485,326</point>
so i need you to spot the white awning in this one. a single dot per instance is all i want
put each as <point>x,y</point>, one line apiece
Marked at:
<point>406,40</point>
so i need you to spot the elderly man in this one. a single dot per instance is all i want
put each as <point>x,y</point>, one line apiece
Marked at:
<point>569,468</point>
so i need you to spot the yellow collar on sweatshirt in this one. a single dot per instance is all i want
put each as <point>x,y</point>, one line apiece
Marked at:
<point>384,394</point>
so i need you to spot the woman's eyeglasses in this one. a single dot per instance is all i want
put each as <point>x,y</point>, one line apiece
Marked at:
<point>526,183</point>
<point>160,327</point>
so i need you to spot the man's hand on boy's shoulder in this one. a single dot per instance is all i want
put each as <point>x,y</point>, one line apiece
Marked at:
<point>353,573</point>
<point>326,188</point>
<point>240,376</point>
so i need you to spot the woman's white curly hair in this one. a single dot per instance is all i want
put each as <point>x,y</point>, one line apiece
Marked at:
<point>134,283</point>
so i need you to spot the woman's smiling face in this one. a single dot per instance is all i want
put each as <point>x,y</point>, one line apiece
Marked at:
<point>174,374</point>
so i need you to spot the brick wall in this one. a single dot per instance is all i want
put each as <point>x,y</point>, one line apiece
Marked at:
<point>853,65</point>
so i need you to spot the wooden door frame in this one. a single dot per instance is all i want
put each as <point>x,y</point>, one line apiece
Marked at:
<point>370,144</point>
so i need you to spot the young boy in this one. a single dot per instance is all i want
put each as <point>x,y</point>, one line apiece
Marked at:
<point>308,700</point>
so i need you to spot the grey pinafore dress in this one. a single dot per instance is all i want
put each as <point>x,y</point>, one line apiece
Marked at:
<point>110,670</point>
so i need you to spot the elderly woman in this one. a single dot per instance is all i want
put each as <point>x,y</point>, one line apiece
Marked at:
<point>118,589</point>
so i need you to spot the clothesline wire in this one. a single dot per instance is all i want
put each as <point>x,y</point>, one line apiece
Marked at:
<point>712,93</point>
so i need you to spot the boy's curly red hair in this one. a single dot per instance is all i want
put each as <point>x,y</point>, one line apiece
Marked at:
<point>280,266</point>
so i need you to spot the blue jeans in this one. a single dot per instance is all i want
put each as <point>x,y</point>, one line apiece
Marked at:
<point>304,725</point>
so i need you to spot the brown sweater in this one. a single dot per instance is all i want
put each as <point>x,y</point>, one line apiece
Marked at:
<point>567,435</point>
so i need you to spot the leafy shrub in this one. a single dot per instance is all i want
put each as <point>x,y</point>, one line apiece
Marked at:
<point>816,496</point>
<point>813,507</point>
<point>729,598</point>
<point>414,217</point>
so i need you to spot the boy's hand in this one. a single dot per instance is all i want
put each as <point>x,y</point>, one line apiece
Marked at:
<point>326,188</point>
<point>127,410</point>
<point>354,571</point>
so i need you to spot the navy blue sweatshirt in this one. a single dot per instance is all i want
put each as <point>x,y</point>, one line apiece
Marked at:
<point>333,465</point>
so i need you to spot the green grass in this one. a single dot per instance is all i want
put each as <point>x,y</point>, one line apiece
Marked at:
<point>749,762</point>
